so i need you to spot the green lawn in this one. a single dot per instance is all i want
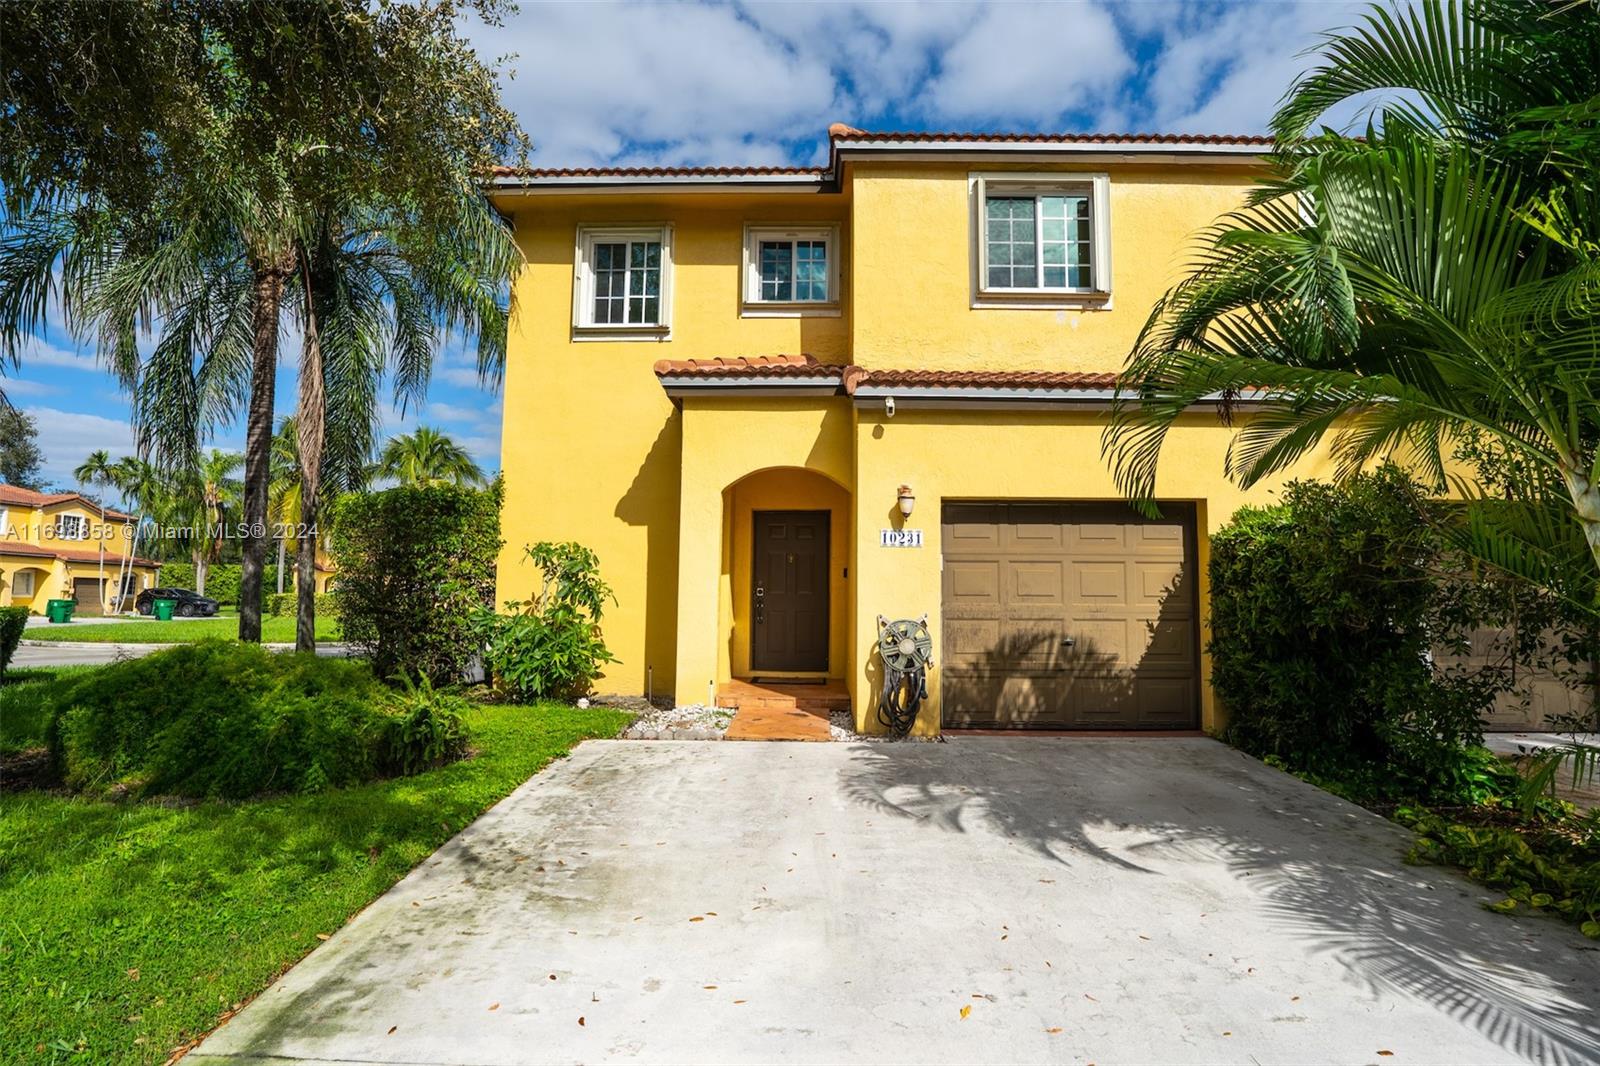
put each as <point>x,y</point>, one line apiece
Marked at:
<point>127,930</point>
<point>150,631</point>
<point>22,715</point>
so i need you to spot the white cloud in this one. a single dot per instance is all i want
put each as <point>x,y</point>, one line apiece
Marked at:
<point>43,353</point>
<point>1030,63</point>
<point>67,437</point>
<point>25,387</point>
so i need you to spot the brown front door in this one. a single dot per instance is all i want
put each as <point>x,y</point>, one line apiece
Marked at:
<point>1069,616</point>
<point>789,592</point>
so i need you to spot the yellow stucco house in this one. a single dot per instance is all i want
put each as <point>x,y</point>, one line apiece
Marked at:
<point>732,383</point>
<point>64,546</point>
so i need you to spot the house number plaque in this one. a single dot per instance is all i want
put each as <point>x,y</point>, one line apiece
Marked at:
<point>900,538</point>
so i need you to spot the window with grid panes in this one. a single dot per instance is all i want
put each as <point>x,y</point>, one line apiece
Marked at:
<point>1038,240</point>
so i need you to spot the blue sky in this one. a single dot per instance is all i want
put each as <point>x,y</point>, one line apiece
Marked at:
<point>734,83</point>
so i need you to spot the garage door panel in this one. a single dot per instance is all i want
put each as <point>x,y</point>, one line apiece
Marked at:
<point>973,583</point>
<point>1021,577</point>
<point>1100,583</point>
<point>1036,582</point>
<point>1164,703</point>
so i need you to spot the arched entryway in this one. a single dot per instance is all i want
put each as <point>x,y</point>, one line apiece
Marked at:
<point>786,561</point>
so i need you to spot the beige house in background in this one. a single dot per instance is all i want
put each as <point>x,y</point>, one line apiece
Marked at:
<point>65,546</point>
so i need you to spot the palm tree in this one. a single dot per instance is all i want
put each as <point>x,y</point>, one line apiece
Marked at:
<point>1430,291</point>
<point>427,457</point>
<point>284,493</point>
<point>206,496</point>
<point>96,470</point>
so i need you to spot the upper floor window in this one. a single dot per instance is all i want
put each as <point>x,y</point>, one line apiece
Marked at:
<point>791,270</point>
<point>1042,237</point>
<point>72,527</point>
<point>624,281</point>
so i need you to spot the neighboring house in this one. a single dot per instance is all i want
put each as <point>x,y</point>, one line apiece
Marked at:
<point>65,546</point>
<point>724,380</point>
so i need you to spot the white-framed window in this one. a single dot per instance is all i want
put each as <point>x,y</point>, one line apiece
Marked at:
<point>5,527</point>
<point>22,583</point>
<point>1042,238</point>
<point>623,282</point>
<point>72,527</point>
<point>791,270</point>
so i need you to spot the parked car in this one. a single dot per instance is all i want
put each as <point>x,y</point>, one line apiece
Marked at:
<point>190,603</point>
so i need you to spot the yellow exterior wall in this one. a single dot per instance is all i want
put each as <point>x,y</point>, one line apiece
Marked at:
<point>53,578</point>
<point>590,444</point>
<point>955,455</point>
<point>594,451</point>
<point>912,262</point>
<point>725,441</point>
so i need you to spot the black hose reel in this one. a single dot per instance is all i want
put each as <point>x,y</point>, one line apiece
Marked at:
<point>906,649</point>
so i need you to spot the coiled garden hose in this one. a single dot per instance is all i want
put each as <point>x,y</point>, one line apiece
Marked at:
<point>906,650</point>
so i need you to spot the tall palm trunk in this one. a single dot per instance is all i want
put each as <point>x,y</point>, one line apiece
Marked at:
<point>266,302</point>
<point>311,418</point>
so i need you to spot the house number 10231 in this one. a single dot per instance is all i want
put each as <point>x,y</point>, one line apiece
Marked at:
<point>900,538</point>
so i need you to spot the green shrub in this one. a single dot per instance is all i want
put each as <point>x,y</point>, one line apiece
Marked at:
<point>415,565</point>
<point>1324,612</point>
<point>222,579</point>
<point>283,604</point>
<point>1553,867</point>
<point>223,719</point>
<point>12,622</point>
<point>550,646</point>
<point>427,731</point>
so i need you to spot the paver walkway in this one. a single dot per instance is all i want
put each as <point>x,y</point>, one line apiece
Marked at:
<point>982,900</point>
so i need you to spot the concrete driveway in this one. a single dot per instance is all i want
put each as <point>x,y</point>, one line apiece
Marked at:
<point>983,900</point>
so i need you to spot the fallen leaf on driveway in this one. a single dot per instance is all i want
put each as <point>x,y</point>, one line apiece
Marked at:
<point>580,1019</point>
<point>697,918</point>
<point>494,1006</point>
<point>966,1010</point>
<point>1053,1030</point>
<point>392,1028</point>
<point>1386,1053</point>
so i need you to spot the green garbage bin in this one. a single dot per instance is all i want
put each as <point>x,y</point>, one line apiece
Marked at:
<point>163,609</point>
<point>59,610</point>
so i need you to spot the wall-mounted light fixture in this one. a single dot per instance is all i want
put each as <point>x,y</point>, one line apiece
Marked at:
<point>908,500</point>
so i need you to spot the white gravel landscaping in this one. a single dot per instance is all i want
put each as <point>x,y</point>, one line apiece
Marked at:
<point>693,722</point>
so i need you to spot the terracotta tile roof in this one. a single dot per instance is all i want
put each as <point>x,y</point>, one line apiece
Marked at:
<point>767,367</point>
<point>71,555</point>
<point>755,366</point>
<point>657,172</point>
<point>15,494</point>
<point>978,379</point>
<point>840,131</point>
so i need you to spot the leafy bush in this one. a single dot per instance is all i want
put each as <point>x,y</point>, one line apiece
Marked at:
<point>1325,612</point>
<point>223,719</point>
<point>550,646</point>
<point>222,579</point>
<point>1540,867</point>
<point>427,731</point>
<point>283,604</point>
<point>415,565</point>
<point>12,621</point>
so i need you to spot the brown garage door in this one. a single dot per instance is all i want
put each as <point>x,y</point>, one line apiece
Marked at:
<point>1069,616</point>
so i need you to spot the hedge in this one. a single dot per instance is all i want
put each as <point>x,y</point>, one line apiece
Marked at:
<point>222,579</point>
<point>283,604</point>
<point>12,621</point>
<point>415,566</point>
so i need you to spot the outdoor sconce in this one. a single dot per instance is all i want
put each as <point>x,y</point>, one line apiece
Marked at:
<point>907,501</point>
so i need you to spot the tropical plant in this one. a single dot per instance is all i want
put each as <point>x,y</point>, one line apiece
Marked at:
<point>1429,289</point>
<point>97,471</point>
<point>194,214</point>
<point>427,457</point>
<point>205,497</point>
<point>550,646</point>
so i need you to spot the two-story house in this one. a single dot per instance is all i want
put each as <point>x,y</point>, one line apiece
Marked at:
<point>780,403</point>
<point>64,546</point>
